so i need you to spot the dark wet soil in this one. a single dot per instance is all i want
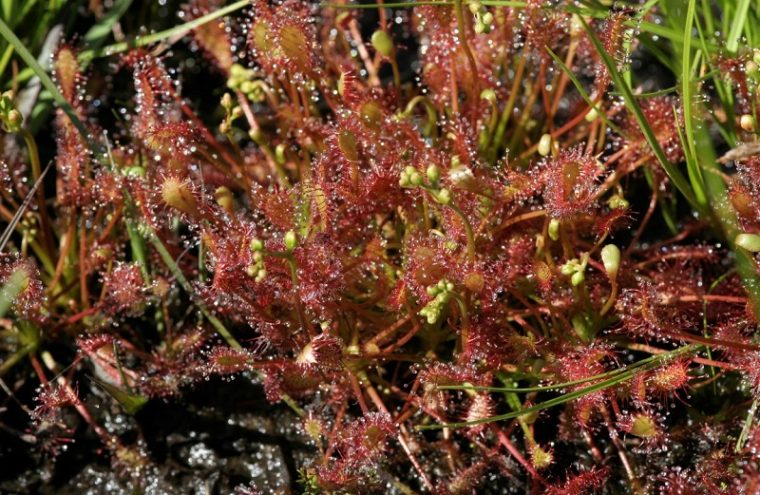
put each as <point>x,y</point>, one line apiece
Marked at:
<point>218,436</point>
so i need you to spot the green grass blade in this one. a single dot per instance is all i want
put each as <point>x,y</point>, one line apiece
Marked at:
<point>737,25</point>
<point>172,265</point>
<point>555,386</point>
<point>176,31</point>
<point>673,173</point>
<point>100,31</point>
<point>577,394</point>
<point>692,167</point>
<point>582,91</point>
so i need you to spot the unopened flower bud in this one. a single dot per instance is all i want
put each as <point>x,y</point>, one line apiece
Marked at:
<point>751,68</point>
<point>443,196</point>
<point>279,153</point>
<point>750,242</point>
<point>463,177</point>
<point>257,245</point>
<point>475,7</point>
<point>488,95</point>
<point>618,201</point>
<point>592,115</point>
<point>553,229</point>
<point>433,174</point>
<point>226,101</point>
<point>611,260</point>
<point>487,18</point>
<point>15,119</point>
<point>383,43</point>
<point>578,278</point>
<point>747,122</point>
<point>545,145</point>
<point>290,240</point>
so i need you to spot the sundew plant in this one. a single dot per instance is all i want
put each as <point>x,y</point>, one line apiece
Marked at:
<point>448,246</point>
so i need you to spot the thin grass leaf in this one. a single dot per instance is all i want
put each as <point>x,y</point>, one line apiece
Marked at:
<point>582,91</point>
<point>132,403</point>
<point>673,173</point>
<point>175,32</point>
<point>172,265</point>
<point>100,31</point>
<point>22,208</point>
<point>555,386</point>
<point>737,25</point>
<point>692,167</point>
<point>577,394</point>
<point>747,426</point>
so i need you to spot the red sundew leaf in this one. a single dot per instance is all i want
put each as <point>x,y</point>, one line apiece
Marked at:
<point>30,298</point>
<point>582,483</point>
<point>125,291</point>
<point>571,180</point>
<point>225,360</point>
<point>67,73</point>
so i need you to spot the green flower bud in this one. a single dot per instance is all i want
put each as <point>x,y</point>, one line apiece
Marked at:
<point>226,101</point>
<point>487,18</point>
<point>279,153</point>
<point>433,174</point>
<point>611,260</point>
<point>747,122</point>
<point>545,145</point>
<point>443,196</point>
<point>578,278</point>
<point>415,179</point>
<point>475,7</point>
<point>553,229</point>
<point>751,68</point>
<point>569,268</point>
<point>618,201</point>
<point>237,70</point>
<point>750,242</point>
<point>592,115</point>
<point>290,240</point>
<point>247,87</point>
<point>15,119</point>
<point>257,245</point>
<point>383,43</point>
<point>488,95</point>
